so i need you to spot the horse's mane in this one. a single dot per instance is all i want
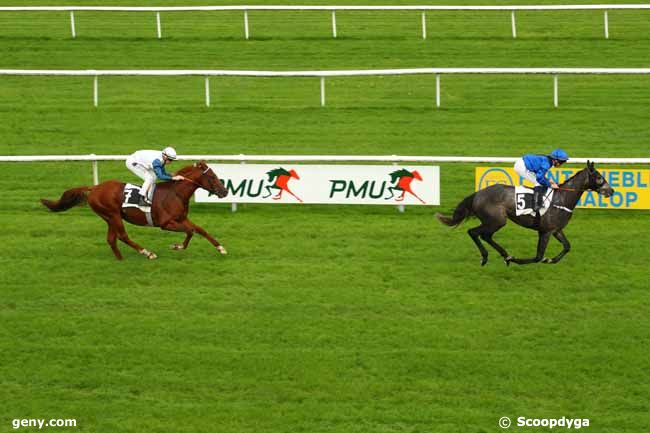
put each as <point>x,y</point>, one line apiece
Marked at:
<point>185,170</point>
<point>571,178</point>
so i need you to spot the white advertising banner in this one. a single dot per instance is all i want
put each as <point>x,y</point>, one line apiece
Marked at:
<point>327,184</point>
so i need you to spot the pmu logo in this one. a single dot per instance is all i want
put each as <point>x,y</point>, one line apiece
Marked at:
<point>402,182</point>
<point>396,189</point>
<point>279,179</point>
<point>276,184</point>
<point>493,176</point>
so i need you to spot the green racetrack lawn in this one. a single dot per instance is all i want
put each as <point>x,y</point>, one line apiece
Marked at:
<point>321,318</point>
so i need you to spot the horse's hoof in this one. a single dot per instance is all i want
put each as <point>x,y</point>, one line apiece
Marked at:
<point>152,256</point>
<point>508,259</point>
<point>484,261</point>
<point>177,247</point>
<point>222,250</point>
<point>547,260</point>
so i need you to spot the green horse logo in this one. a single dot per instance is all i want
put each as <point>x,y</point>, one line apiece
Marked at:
<point>280,181</point>
<point>401,180</point>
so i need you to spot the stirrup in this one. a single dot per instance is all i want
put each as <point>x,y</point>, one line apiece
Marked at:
<point>144,202</point>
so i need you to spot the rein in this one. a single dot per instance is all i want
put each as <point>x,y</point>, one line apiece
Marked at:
<point>196,183</point>
<point>571,189</point>
<point>190,180</point>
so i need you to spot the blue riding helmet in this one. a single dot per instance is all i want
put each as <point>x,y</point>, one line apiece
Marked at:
<point>560,155</point>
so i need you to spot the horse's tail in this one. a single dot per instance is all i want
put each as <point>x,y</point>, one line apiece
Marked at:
<point>461,213</point>
<point>70,198</point>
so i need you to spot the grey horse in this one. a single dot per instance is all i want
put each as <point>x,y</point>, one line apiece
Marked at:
<point>494,205</point>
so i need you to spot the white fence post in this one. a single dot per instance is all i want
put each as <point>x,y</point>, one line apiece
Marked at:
<point>233,205</point>
<point>424,25</point>
<point>334,24</point>
<point>95,92</point>
<point>158,25</point>
<point>606,26</point>
<point>322,91</point>
<point>207,91</point>
<point>555,91</point>
<point>514,25</point>
<point>95,170</point>
<point>246,33</point>
<point>72,27</point>
<point>438,90</point>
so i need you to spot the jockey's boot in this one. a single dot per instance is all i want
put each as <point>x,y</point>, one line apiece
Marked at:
<point>144,201</point>
<point>538,198</point>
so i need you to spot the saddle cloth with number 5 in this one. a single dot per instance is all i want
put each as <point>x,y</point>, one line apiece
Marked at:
<point>524,200</point>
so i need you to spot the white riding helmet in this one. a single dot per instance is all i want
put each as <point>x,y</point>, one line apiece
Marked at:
<point>170,153</point>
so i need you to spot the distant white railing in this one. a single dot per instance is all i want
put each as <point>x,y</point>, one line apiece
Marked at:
<point>309,158</point>
<point>333,9</point>
<point>323,74</point>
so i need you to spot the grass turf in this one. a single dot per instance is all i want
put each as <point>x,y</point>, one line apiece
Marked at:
<point>322,319</point>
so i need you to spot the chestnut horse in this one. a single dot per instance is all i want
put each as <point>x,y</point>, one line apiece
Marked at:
<point>169,210</point>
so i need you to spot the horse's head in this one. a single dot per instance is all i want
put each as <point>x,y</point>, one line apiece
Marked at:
<point>201,174</point>
<point>597,182</point>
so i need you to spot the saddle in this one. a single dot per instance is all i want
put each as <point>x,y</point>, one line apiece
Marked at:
<point>525,201</point>
<point>132,200</point>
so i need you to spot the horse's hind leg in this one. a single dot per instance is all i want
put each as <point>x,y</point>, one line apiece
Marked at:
<point>117,225</point>
<point>492,222</point>
<point>111,238</point>
<point>475,233</point>
<point>487,237</point>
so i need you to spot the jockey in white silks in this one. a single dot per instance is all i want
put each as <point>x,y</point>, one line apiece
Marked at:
<point>149,165</point>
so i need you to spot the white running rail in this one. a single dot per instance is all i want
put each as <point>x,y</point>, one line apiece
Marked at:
<point>323,74</point>
<point>245,8</point>
<point>309,158</point>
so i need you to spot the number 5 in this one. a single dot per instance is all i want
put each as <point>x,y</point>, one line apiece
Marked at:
<point>521,202</point>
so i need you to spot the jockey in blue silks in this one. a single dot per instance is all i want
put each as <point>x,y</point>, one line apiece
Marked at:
<point>149,165</point>
<point>535,169</point>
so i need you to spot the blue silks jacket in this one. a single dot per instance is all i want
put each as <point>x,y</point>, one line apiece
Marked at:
<point>540,165</point>
<point>159,169</point>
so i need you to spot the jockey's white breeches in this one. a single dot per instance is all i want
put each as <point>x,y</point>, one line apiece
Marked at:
<point>520,168</point>
<point>144,173</point>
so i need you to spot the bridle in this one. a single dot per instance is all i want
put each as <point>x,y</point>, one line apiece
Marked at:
<point>210,183</point>
<point>598,185</point>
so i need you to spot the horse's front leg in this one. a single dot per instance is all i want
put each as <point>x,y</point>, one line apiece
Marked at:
<point>566,247</point>
<point>542,243</point>
<point>175,226</point>
<point>206,235</point>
